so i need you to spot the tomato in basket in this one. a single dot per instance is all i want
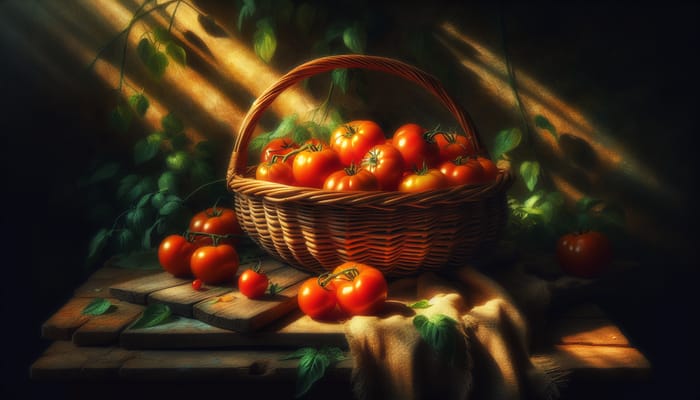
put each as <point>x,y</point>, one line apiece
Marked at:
<point>278,147</point>
<point>416,146</point>
<point>452,146</point>
<point>352,140</point>
<point>462,171</point>
<point>313,165</point>
<point>386,163</point>
<point>276,171</point>
<point>423,180</point>
<point>351,179</point>
<point>490,169</point>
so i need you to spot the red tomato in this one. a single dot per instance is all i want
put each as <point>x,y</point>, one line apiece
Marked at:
<point>452,145</point>
<point>462,171</point>
<point>217,221</point>
<point>416,146</point>
<point>316,301</point>
<point>174,255</point>
<point>423,180</point>
<point>585,254</point>
<point>253,284</point>
<point>215,264</point>
<point>363,292</point>
<point>279,146</point>
<point>490,169</point>
<point>312,166</point>
<point>386,163</point>
<point>351,179</point>
<point>275,171</point>
<point>354,139</point>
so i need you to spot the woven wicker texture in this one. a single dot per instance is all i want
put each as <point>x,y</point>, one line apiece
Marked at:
<point>400,233</point>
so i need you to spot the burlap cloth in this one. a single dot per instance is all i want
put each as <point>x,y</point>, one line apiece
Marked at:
<point>392,361</point>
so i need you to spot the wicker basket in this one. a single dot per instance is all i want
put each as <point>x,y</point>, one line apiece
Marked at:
<point>400,233</point>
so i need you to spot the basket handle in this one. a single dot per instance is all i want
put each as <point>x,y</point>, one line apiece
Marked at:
<point>237,164</point>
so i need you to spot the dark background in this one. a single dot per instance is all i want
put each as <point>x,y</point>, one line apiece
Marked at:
<point>626,62</point>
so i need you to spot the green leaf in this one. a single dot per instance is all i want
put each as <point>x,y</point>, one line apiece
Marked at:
<point>300,134</point>
<point>178,161</point>
<point>179,141</point>
<point>440,333</point>
<point>157,64</point>
<point>542,122</point>
<point>247,11</point>
<point>505,141</point>
<point>144,185</point>
<point>286,127</point>
<point>139,103</point>
<point>145,50</point>
<point>170,207</point>
<point>421,304</point>
<point>97,306</point>
<point>312,365</point>
<point>585,203</point>
<point>104,172</point>
<point>126,184</point>
<point>136,219</point>
<point>145,150</point>
<point>145,199</point>
<point>177,53</point>
<point>148,233</point>
<point>120,118</point>
<point>201,172</point>
<point>172,124</point>
<point>157,200</point>
<point>547,210</point>
<point>530,171</point>
<point>257,143</point>
<point>125,238</point>
<point>340,78</point>
<point>153,315</point>
<point>161,34</point>
<point>532,200</point>
<point>98,242</point>
<point>354,39</point>
<point>168,182</point>
<point>264,40</point>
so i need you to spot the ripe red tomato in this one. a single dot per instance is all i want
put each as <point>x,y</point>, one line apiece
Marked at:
<point>351,179</point>
<point>386,163</point>
<point>279,146</point>
<point>462,171</point>
<point>174,255</point>
<point>316,301</point>
<point>352,140</point>
<point>275,171</point>
<point>452,145</point>
<point>362,292</point>
<point>312,166</point>
<point>416,146</point>
<point>215,264</point>
<point>490,169</point>
<point>585,254</point>
<point>253,283</point>
<point>217,221</point>
<point>427,179</point>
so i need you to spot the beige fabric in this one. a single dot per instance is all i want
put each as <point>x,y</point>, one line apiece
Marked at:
<point>393,362</point>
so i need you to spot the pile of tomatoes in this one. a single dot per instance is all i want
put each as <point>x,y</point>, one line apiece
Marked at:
<point>207,251</point>
<point>350,289</point>
<point>359,157</point>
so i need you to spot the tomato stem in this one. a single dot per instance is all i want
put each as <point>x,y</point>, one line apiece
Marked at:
<point>325,278</point>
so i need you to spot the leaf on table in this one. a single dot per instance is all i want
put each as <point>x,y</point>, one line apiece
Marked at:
<point>154,314</point>
<point>439,332</point>
<point>421,304</point>
<point>97,306</point>
<point>312,365</point>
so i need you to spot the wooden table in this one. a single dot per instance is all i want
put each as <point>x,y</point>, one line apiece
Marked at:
<point>104,350</point>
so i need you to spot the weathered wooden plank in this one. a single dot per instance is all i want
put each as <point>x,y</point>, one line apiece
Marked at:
<point>601,363</point>
<point>63,361</point>
<point>588,331</point>
<point>100,281</point>
<point>104,329</point>
<point>182,298</point>
<point>246,315</point>
<point>137,290</point>
<point>65,321</point>
<point>292,331</point>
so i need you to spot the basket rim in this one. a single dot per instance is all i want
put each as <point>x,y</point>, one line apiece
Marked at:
<point>280,193</point>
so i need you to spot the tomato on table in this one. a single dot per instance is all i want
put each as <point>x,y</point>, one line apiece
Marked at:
<point>312,166</point>
<point>351,179</point>
<point>253,283</point>
<point>584,254</point>
<point>215,264</point>
<point>316,301</point>
<point>386,163</point>
<point>360,288</point>
<point>352,140</point>
<point>174,253</point>
<point>216,221</point>
<point>417,146</point>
